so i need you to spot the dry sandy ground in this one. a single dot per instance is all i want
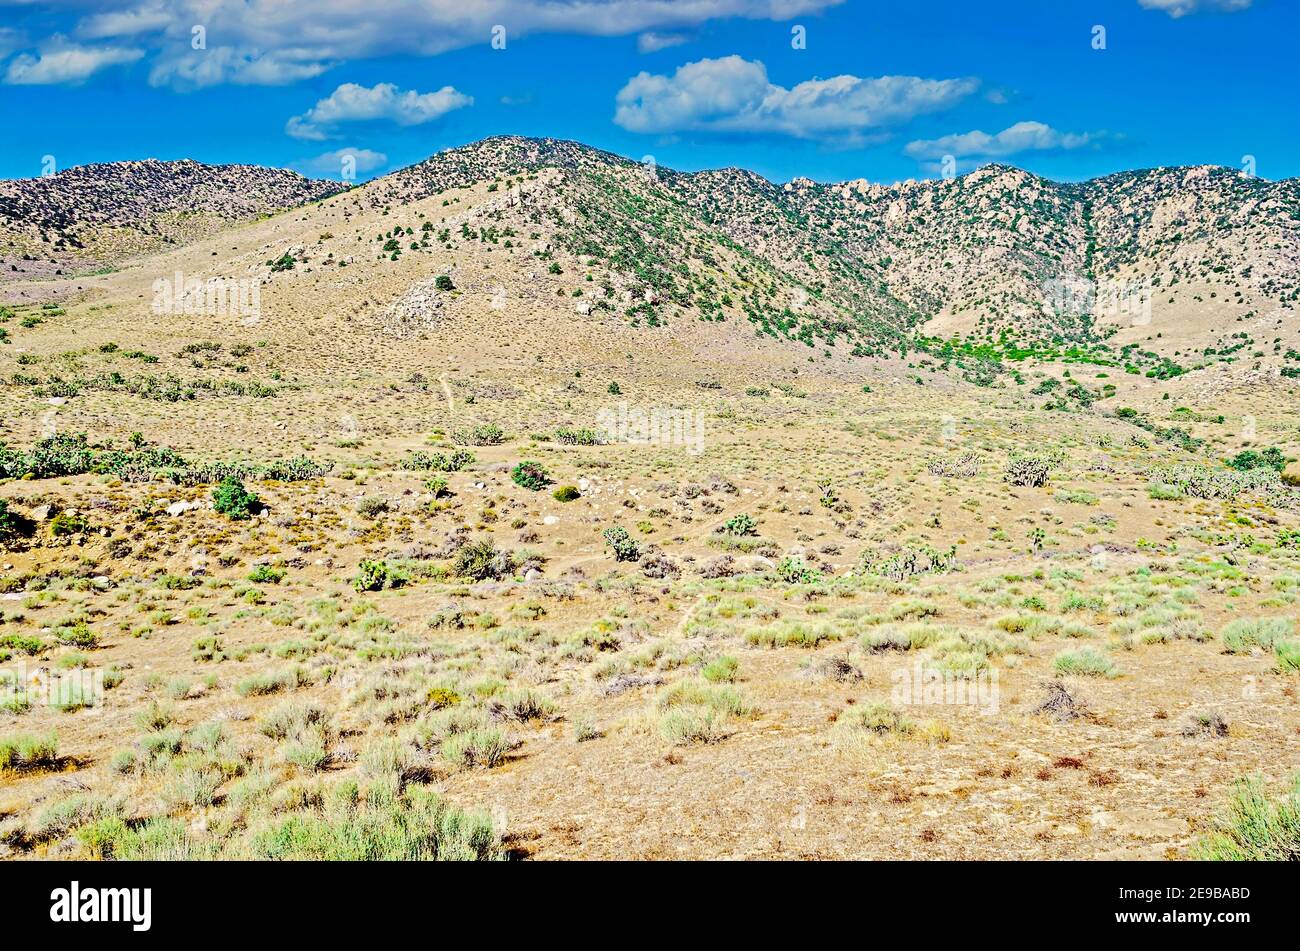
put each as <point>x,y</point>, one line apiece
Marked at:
<point>596,774</point>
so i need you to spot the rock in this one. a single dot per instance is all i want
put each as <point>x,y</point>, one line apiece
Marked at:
<point>550,520</point>
<point>180,508</point>
<point>582,307</point>
<point>42,512</point>
<point>101,581</point>
<point>533,575</point>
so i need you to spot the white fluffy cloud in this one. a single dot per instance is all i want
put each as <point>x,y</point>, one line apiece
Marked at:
<point>1021,137</point>
<point>263,42</point>
<point>353,103</point>
<point>732,94</point>
<point>59,61</point>
<point>1178,8</point>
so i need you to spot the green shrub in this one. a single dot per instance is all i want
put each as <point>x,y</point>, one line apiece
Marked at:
<point>1030,469</point>
<point>1254,828</point>
<point>566,493</point>
<point>23,643</point>
<point>482,747</point>
<point>443,282</point>
<point>378,575</point>
<point>68,523</point>
<point>624,545</point>
<point>740,526</point>
<point>1288,656</point>
<point>421,461</point>
<point>1084,662</point>
<point>266,574</point>
<point>231,499</point>
<point>530,475</point>
<point>486,434</point>
<point>721,670</point>
<point>27,751</point>
<point>793,570</point>
<point>579,437</point>
<point>1240,636</point>
<point>481,560</point>
<point>1270,458</point>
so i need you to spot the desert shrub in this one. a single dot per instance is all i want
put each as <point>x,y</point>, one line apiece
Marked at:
<point>443,282</point>
<point>377,576</point>
<point>724,566</point>
<point>961,466</point>
<point>686,725</point>
<point>22,643</point>
<point>720,670</point>
<point>267,574</point>
<point>793,570</point>
<point>481,560</point>
<point>269,682</point>
<point>1084,662</point>
<point>1164,492</point>
<point>624,545</point>
<point>858,726</point>
<point>485,434</point>
<point>579,437</point>
<point>231,499</point>
<point>208,650</point>
<point>1204,482</point>
<point>655,564</point>
<point>1254,828</point>
<point>1243,634</point>
<point>1288,656</point>
<point>530,475</point>
<point>479,747</point>
<point>566,493</point>
<point>421,461</point>
<point>901,563</point>
<point>740,526</point>
<point>1270,458</point>
<point>414,825</point>
<point>27,751</point>
<point>792,634</point>
<point>76,634</point>
<point>372,506</point>
<point>66,815</point>
<point>1030,469</point>
<point>68,523</point>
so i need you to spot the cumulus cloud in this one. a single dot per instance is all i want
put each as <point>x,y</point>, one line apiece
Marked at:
<point>1021,137</point>
<point>383,101</point>
<point>333,164</point>
<point>267,42</point>
<point>732,94</point>
<point>1179,8</point>
<point>59,61</point>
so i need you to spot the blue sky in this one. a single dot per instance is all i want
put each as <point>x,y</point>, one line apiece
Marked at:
<point>883,91</point>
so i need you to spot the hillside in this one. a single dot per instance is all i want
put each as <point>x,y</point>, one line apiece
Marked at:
<point>528,502</point>
<point>99,215</point>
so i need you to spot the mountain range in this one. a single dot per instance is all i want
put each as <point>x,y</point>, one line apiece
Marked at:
<point>962,266</point>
